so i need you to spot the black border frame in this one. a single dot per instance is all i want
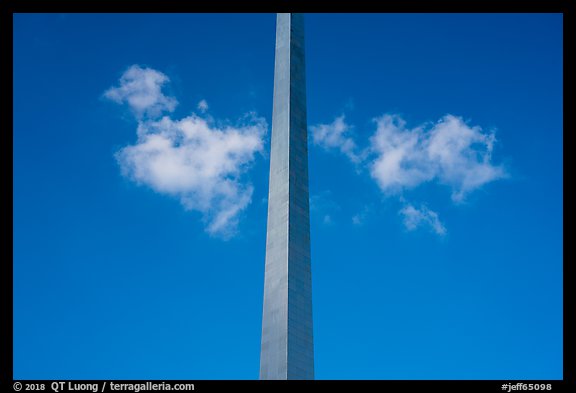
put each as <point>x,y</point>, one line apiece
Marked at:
<point>566,7</point>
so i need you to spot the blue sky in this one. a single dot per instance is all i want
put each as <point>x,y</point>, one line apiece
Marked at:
<point>141,155</point>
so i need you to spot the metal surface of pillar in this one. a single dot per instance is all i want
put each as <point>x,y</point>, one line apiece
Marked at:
<point>287,348</point>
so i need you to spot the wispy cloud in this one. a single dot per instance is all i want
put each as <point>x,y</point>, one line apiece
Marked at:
<point>359,218</point>
<point>423,217</point>
<point>336,135</point>
<point>141,89</point>
<point>203,106</point>
<point>194,159</point>
<point>450,152</point>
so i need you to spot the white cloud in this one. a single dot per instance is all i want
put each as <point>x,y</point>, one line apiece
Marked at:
<point>463,155</point>
<point>451,152</point>
<point>336,136</point>
<point>141,89</point>
<point>401,160</point>
<point>423,217</point>
<point>197,161</point>
<point>203,106</point>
